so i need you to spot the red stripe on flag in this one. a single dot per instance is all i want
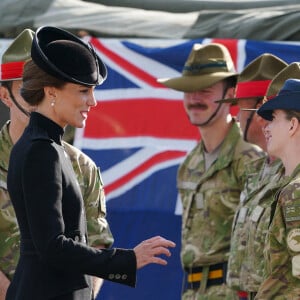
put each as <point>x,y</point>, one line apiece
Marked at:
<point>232,46</point>
<point>143,117</point>
<point>161,157</point>
<point>123,63</point>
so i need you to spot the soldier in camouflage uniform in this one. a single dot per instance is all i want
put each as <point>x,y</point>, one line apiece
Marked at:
<point>246,261</point>
<point>282,250</point>
<point>212,176</point>
<point>88,174</point>
<point>254,268</point>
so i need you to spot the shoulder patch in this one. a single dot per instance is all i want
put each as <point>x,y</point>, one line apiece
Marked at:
<point>293,240</point>
<point>292,213</point>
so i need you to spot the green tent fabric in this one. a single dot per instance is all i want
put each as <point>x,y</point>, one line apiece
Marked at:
<point>170,19</point>
<point>195,5</point>
<point>16,15</point>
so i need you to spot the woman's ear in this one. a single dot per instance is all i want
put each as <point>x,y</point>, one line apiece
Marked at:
<point>294,126</point>
<point>50,92</point>
<point>5,97</point>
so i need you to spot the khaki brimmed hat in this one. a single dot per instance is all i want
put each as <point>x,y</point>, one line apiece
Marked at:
<point>254,80</point>
<point>65,56</point>
<point>15,56</point>
<point>205,66</point>
<point>288,98</point>
<point>276,88</point>
<point>291,71</point>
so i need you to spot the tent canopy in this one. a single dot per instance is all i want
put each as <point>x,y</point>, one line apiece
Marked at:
<point>171,19</point>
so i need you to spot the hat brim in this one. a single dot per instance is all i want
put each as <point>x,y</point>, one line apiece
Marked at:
<point>234,101</point>
<point>288,101</point>
<point>195,83</point>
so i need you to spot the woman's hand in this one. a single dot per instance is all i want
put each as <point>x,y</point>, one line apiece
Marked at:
<point>147,251</point>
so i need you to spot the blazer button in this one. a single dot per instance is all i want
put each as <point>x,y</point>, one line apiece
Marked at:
<point>118,276</point>
<point>124,277</point>
<point>111,276</point>
<point>76,238</point>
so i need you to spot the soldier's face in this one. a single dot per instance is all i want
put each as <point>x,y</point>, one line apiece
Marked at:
<point>16,115</point>
<point>277,133</point>
<point>201,105</point>
<point>254,131</point>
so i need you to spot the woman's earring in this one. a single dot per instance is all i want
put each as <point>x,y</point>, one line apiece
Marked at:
<point>53,102</point>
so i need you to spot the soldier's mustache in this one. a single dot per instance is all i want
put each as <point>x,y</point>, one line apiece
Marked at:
<point>197,105</point>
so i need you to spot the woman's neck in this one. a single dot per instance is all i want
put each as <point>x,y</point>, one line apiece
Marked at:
<point>291,159</point>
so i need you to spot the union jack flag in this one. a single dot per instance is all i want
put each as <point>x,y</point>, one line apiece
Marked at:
<point>138,134</point>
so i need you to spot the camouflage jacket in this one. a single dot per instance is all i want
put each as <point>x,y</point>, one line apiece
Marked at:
<point>91,185</point>
<point>252,219</point>
<point>282,250</point>
<point>210,198</point>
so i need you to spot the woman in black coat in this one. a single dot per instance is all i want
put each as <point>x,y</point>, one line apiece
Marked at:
<point>55,260</point>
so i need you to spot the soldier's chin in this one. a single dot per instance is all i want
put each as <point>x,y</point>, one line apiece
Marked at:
<point>193,121</point>
<point>198,124</point>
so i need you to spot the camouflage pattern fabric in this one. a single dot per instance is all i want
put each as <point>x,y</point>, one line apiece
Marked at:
<point>209,199</point>
<point>91,185</point>
<point>282,252</point>
<point>246,263</point>
<point>217,292</point>
<point>9,231</point>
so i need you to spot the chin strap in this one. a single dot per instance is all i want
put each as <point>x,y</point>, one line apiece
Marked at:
<point>211,117</point>
<point>16,103</point>
<point>249,121</point>
<point>215,112</point>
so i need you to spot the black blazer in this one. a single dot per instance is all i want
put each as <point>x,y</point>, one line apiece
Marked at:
<point>54,258</point>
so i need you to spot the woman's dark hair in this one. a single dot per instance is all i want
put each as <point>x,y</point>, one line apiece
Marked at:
<point>289,114</point>
<point>34,81</point>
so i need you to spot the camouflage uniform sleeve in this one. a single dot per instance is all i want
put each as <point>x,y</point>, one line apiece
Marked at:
<point>291,214</point>
<point>94,198</point>
<point>91,185</point>
<point>9,236</point>
<point>248,164</point>
<point>282,250</point>
<point>9,230</point>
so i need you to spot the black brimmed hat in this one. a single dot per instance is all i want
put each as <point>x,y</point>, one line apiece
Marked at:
<point>64,55</point>
<point>288,98</point>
